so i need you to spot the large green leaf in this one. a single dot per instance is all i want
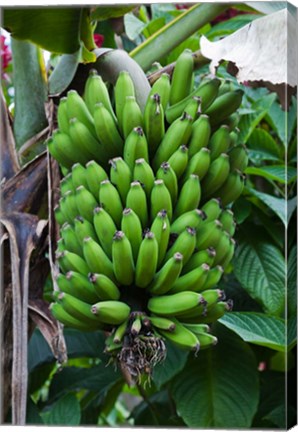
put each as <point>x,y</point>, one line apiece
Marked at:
<point>66,411</point>
<point>257,328</point>
<point>79,344</point>
<point>249,122</point>
<point>279,173</point>
<point>292,282</point>
<point>227,27</point>
<point>219,388</point>
<point>260,268</point>
<point>262,147</point>
<point>54,29</point>
<point>101,13</point>
<point>282,208</point>
<point>97,378</point>
<point>176,31</point>
<point>283,122</point>
<point>174,363</point>
<point>30,91</point>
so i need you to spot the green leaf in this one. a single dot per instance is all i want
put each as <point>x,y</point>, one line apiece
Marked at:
<point>292,282</point>
<point>260,268</point>
<point>133,26</point>
<point>101,13</point>
<point>174,363</point>
<point>79,344</point>
<point>97,378</point>
<point>175,32</point>
<point>249,122</point>
<point>292,332</point>
<point>279,173</point>
<point>66,411</point>
<point>153,26</point>
<point>283,122</point>
<point>278,205</point>
<point>54,29</point>
<point>262,146</point>
<point>64,73</point>
<point>257,328</point>
<point>227,27</point>
<point>241,209</point>
<point>30,91</point>
<point>219,388</point>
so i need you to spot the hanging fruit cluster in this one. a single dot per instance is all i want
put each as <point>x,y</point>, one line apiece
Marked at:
<point>145,230</point>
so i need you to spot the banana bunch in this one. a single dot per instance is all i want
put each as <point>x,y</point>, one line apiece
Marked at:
<point>145,232</point>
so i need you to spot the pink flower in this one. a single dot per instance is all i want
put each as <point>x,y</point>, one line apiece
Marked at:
<point>98,39</point>
<point>5,53</point>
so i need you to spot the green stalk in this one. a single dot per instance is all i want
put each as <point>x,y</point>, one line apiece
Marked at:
<point>163,41</point>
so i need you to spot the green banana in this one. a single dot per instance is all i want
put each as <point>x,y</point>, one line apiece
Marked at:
<point>69,320</point>
<point>219,142</point>
<point>69,206</point>
<point>136,325</point>
<point>59,215</point>
<point>85,202</point>
<point>96,259</point>
<point>162,323</point>
<point>83,228</point>
<point>216,312</point>
<point>197,328</point>
<point>162,87</point>
<point>216,176</point>
<point>96,92</point>
<point>176,135</point>
<point>63,143</point>
<point>105,229</point>
<point>213,277</point>
<point>192,281</point>
<point>226,217</point>
<point>222,247</point>
<point>165,278</point>
<point>66,184</point>
<point>78,286</point>
<point>62,115</point>
<point>209,234</point>
<point>79,309</point>
<point>197,259</point>
<point>238,158</point>
<point>175,304</point>
<point>229,254</point>
<point>71,261</point>
<point>79,176</point>
<point>193,108</point>
<point>144,174</point>
<point>111,311</point>
<point>160,199</point>
<point>206,340</point>
<point>182,337</point>
<point>154,124</point>
<point>83,140</point>
<point>207,92</point>
<point>161,229</point>
<point>132,116</point>
<point>137,201</point>
<point>76,108</point>
<point>95,174</point>
<point>198,164</point>
<point>167,174</point>
<point>121,176</point>
<point>120,332</point>
<point>189,197</point>
<point>132,228</point>
<point>212,209</point>
<point>123,262</point>
<point>104,287</point>
<point>147,260</point>
<point>182,73</point>
<point>179,161</point>
<point>213,296</point>
<point>57,153</point>
<point>124,87</point>
<point>224,105</point>
<point>107,132</point>
<point>185,244</point>
<point>232,188</point>
<point>110,200</point>
<point>191,218</point>
<point>135,147</point>
<point>70,239</point>
<point>201,131</point>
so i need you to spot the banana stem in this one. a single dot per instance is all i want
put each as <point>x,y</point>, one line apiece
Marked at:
<point>199,60</point>
<point>146,399</point>
<point>175,32</point>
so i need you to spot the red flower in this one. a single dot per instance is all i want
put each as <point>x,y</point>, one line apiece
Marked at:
<point>98,39</point>
<point>5,53</point>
